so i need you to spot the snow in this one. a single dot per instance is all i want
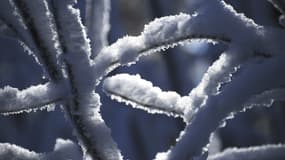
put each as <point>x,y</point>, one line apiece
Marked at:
<point>250,82</point>
<point>14,101</point>
<point>235,77</point>
<point>241,78</point>
<point>173,31</point>
<point>84,108</point>
<point>11,151</point>
<point>97,131</point>
<point>77,49</point>
<point>45,27</point>
<point>142,94</point>
<point>64,149</point>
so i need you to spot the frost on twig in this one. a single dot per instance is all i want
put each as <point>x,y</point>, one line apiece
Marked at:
<point>64,149</point>
<point>266,152</point>
<point>83,109</point>
<point>41,34</point>
<point>212,100</point>
<point>14,101</point>
<point>10,151</point>
<point>97,24</point>
<point>234,96</point>
<point>142,94</point>
<point>160,34</point>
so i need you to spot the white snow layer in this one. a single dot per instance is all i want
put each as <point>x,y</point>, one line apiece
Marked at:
<point>225,88</point>
<point>170,31</point>
<point>77,49</point>
<point>64,150</point>
<point>142,94</point>
<point>93,133</point>
<point>45,27</point>
<point>34,26</point>
<point>13,100</point>
<point>11,151</point>
<point>266,152</point>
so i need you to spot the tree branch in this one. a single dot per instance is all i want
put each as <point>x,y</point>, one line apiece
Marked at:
<point>143,95</point>
<point>97,23</point>
<point>13,101</point>
<point>64,149</point>
<point>84,106</point>
<point>238,95</point>
<point>159,35</point>
<point>42,33</point>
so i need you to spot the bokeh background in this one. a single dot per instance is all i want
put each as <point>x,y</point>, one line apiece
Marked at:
<point>141,135</point>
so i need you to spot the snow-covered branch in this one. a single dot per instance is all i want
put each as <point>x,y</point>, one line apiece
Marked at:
<point>143,95</point>
<point>64,149</point>
<point>233,97</point>
<point>14,101</point>
<point>276,152</point>
<point>159,35</point>
<point>84,107</point>
<point>97,24</point>
<point>240,79</point>
<point>170,31</point>
<point>36,17</point>
<point>280,6</point>
<point>10,151</point>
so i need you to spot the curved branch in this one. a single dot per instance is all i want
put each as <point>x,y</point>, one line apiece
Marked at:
<point>10,151</point>
<point>13,101</point>
<point>166,32</point>
<point>159,35</point>
<point>83,108</point>
<point>143,95</point>
<point>64,149</point>
<point>37,19</point>
<point>238,95</point>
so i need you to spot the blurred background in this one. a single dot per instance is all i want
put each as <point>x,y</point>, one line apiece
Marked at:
<point>141,135</point>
